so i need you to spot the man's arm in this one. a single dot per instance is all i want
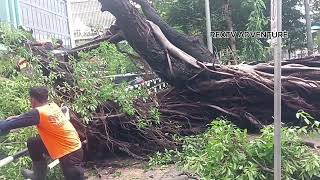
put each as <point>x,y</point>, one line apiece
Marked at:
<point>27,119</point>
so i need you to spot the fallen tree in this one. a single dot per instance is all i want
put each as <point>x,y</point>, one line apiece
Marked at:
<point>243,92</point>
<point>201,91</point>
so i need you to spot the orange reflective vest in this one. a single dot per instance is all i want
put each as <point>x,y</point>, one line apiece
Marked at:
<point>56,131</point>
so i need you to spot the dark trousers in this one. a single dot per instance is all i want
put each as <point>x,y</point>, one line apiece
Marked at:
<point>70,163</point>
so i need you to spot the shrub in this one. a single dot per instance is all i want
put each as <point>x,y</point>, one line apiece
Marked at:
<point>224,152</point>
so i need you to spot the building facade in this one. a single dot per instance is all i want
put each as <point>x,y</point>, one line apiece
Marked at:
<point>88,21</point>
<point>48,19</point>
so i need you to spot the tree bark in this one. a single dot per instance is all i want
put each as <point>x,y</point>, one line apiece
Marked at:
<point>228,17</point>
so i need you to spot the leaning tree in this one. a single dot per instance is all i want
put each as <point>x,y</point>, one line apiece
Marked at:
<point>202,89</point>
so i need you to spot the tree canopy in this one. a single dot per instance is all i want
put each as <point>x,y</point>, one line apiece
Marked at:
<point>188,16</point>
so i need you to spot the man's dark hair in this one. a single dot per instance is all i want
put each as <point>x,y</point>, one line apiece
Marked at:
<point>39,93</point>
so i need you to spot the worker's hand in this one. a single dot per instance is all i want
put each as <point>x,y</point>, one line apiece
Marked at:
<point>65,111</point>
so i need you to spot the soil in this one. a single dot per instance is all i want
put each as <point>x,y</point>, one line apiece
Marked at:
<point>125,168</point>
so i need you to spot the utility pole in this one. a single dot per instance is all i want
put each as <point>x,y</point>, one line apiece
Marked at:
<point>276,26</point>
<point>208,24</point>
<point>308,21</point>
<point>69,14</point>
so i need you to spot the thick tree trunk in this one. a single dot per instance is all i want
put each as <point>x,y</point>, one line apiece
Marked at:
<point>140,36</point>
<point>228,17</point>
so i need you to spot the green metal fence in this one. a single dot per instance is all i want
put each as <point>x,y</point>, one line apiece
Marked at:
<point>9,12</point>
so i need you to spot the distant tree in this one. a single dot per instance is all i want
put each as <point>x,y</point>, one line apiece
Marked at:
<point>253,49</point>
<point>316,20</point>
<point>316,11</point>
<point>292,23</point>
<point>189,16</point>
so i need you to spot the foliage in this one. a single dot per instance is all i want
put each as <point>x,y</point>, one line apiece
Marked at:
<point>189,16</point>
<point>312,125</point>
<point>14,88</point>
<point>315,8</point>
<point>163,7</point>
<point>153,118</point>
<point>253,49</point>
<point>10,145</point>
<point>12,38</point>
<point>155,114</point>
<point>93,72</point>
<point>224,152</point>
<point>292,24</point>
